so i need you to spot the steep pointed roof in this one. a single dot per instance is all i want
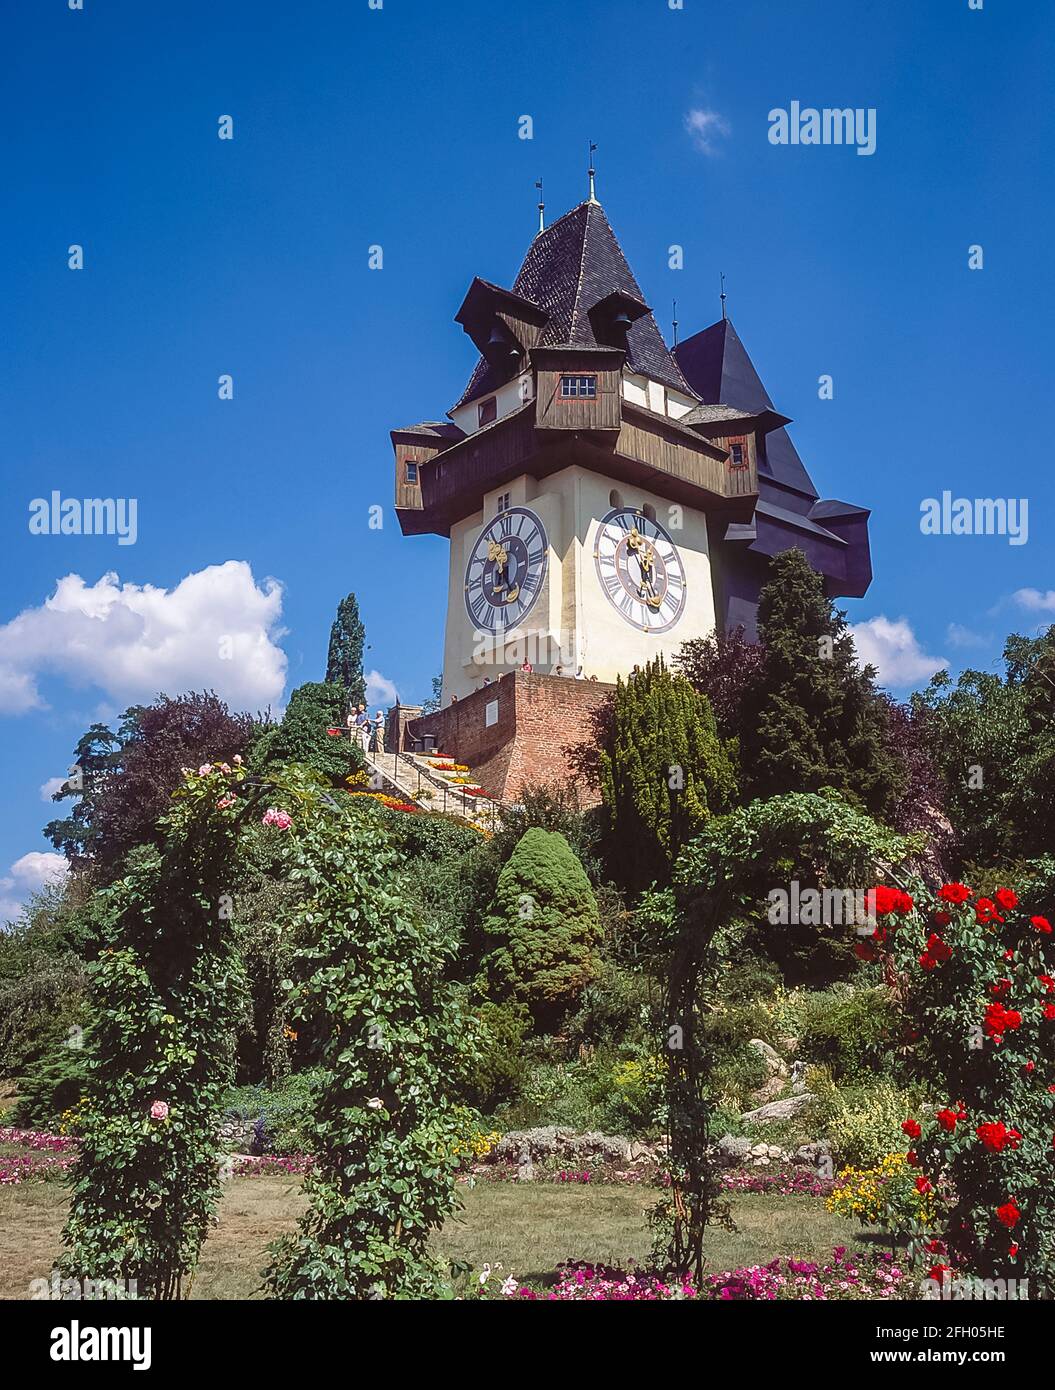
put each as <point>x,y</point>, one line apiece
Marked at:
<point>570,268</point>
<point>717,364</point>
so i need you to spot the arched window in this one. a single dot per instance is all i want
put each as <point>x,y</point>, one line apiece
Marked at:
<point>649,511</point>
<point>615,498</point>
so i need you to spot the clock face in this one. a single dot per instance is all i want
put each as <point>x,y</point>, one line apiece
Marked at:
<point>505,571</point>
<point>640,570</point>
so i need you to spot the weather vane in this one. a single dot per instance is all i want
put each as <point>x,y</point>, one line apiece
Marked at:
<point>722,295</point>
<point>592,171</point>
<point>541,207</point>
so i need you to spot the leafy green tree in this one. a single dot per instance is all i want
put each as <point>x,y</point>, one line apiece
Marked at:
<point>166,995</point>
<point>663,772</point>
<point>545,926</point>
<point>396,1048</point>
<point>344,660</point>
<point>435,700</point>
<point>976,731</point>
<point>302,736</point>
<point>813,718</point>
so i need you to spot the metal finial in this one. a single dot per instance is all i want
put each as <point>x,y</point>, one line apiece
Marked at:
<point>722,295</point>
<point>674,311</point>
<point>592,171</point>
<point>541,207</point>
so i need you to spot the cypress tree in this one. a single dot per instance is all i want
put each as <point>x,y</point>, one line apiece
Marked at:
<point>544,916</point>
<point>815,717</point>
<point>663,772</point>
<point>344,660</point>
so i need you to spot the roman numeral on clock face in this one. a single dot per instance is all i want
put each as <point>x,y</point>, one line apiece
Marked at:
<point>501,589</point>
<point>640,570</point>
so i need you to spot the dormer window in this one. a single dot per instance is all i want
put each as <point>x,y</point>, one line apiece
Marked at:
<point>487,411</point>
<point>412,470</point>
<point>578,388</point>
<point>738,455</point>
<point>503,503</point>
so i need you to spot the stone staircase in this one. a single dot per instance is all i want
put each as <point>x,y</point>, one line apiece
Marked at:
<point>412,777</point>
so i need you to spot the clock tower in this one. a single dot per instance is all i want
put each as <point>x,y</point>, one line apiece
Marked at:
<point>606,498</point>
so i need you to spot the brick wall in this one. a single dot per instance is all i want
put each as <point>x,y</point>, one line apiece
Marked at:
<point>534,718</point>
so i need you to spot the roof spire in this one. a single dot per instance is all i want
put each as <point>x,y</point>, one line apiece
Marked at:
<point>674,311</point>
<point>592,171</point>
<point>722,295</point>
<point>541,207</point>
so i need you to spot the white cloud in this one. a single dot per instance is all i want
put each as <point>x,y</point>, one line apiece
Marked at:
<point>217,629</point>
<point>707,128</point>
<point>380,690</point>
<point>26,876</point>
<point>959,636</point>
<point>1035,601</point>
<point>892,647</point>
<point>50,787</point>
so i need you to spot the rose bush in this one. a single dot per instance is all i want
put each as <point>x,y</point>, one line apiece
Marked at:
<point>976,978</point>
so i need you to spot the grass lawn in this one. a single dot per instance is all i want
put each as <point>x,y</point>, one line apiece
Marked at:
<point>527,1229</point>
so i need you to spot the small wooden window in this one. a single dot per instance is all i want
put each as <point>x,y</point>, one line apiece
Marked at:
<point>412,470</point>
<point>503,503</point>
<point>487,411</point>
<point>738,453</point>
<point>578,388</point>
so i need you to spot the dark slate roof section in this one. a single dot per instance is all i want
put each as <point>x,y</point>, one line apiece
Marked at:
<point>434,429</point>
<point>716,363</point>
<point>569,268</point>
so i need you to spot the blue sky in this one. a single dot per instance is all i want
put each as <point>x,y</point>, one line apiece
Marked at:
<point>399,127</point>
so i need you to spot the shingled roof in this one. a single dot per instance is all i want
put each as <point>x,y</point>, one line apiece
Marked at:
<point>717,364</point>
<point>570,268</point>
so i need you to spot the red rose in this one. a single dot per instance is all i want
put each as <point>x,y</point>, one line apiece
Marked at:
<point>994,1136</point>
<point>955,893</point>
<point>999,1020</point>
<point>999,987</point>
<point>938,1272</point>
<point>1012,1250</point>
<point>985,911</point>
<point>911,1128</point>
<point>1049,1010</point>
<point>923,1186</point>
<point>942,919</point>
<point>947,1119</point>
<point>912,1158</point>
<point>1007,898</point>
<point>1041,923</point>
<point>1048,982</point>
<point>1009,1215</point>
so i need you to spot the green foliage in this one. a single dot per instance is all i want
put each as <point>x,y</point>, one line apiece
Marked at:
<point>501,1071</point>
<point>545,924</point>
<point>43,976</point>
<point>282,1114</point>
<point>55,1082</point>
<point>812,718</point>
<point>344,659</point>
<point>813,839</point>
<point>663,772</point>
<point>852,1032</point>
<point>862,1122</point>
<point>991,739</point>
<point>302,738</point>
<point>395,1049</point>
<point>166,991</point>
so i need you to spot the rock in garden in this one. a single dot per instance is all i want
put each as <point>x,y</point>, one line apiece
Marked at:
<point>785,1109</point>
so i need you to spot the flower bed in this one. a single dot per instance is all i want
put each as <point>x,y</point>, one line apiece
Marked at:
<point>842,1277</point>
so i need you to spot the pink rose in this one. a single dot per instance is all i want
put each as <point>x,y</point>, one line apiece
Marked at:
<point>279,819</point>
<point>159,1110</point>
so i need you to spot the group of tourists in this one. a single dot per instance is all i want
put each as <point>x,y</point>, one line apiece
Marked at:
<point>368,733</point>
